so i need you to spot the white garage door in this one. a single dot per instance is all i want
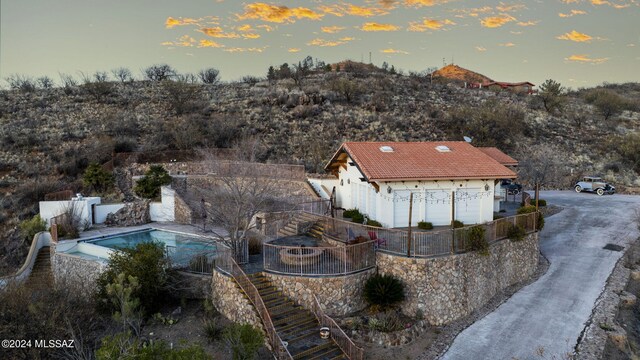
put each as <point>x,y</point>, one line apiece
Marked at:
<point>438,207</point>
<point>372,203</point>
<point>362,198</point>
<point>468,203</point>
<point>401,209</point>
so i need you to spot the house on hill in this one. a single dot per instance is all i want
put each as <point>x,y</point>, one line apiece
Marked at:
<point>447,180</point>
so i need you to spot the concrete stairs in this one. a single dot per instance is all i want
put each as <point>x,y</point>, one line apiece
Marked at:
<point>41,276</point>
<point>291,228</point>
<point>295,325</point>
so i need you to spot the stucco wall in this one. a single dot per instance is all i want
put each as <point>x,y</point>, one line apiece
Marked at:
<point>49,209</point>
<point>76,272</point>
<point>450,287</point>
<point>103,210</point>
<point>337,295</point>
<point>231,301</point>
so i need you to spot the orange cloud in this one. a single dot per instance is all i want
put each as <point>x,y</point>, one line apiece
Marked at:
<point>244,28</point>
<point>421,3</point>
<point>473,12</point>
<point>353,10</point>
<point>528,23</point>
<point>586,59</point>
<point>251,36</point>
<point>575,36</point>
<point>332,29</point>
<point>509,8</point>
<point>572,13</point>
<point>294,50</point>
<point>204,43</point>
<point>509,44</point>
<point>497,21</point>
<point>173,22</point>
<point>372,26</point>
<point>394,51</point>
<point>184,41</point>
<point>329,43</point>
<point>277,14</point>
<point>217,32</point>
<point>480,48</point>
<point>614,5</point>
<point>239,49</point>
<point>429,24</point>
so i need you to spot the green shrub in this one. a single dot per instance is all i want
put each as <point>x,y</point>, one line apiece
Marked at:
<point>496,216</point>
<point>457,224</point>
<point>531,209</point>
<point>476,241</point>
<point>385,322</point>
<point>212,330</point>
<point>516,232</point>
<point>124,346</point>
<point>541,202</point>
<point>244,341</point>
<point>147,263</point>
<point>383,290</point>
<point>349,213</point>
<point>374,223</point>
<point>425,225</point>
<point>357,218</point>
<point>149,186</point>
<point>29,228</point>
<point>97,178</point>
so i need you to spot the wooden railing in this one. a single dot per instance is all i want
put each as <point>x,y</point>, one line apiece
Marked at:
<point>228,265</point>
<point>319,261</point>
<point>424,243</point>
<point>345,343</point>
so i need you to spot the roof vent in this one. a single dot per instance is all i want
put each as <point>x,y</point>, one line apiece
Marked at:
<point>443,148</point>
<point>386,148</point>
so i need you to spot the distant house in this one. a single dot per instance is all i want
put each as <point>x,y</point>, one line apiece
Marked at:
<point>448,180</point>
<point>519,87</point>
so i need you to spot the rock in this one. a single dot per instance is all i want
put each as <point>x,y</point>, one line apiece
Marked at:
<point>627,299</point>
<point>177,311</point>
<point>134,213</point>
<point>635,275</point>
<point>619,340</point>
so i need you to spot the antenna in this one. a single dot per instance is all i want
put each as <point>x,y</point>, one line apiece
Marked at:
<point>370,58</point>
<point>467,139</point>
<point>451,59</point>
<point>444,62</point>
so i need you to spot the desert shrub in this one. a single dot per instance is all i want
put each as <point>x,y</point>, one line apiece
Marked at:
<point>212,330</point>
<point>388,321</point>
<point>159,72</point>
<point>255,246</point>
<point>120,293</point>
<point>425,225</point>
<point>243,340</point>
<point>149,186</point>
<point>183,96</point>
<point>97,178</point>
<point>350,212</point>
<point>516,232</point>
<point>250,80</point>
<point>607,101</point>
<point>21,82</point>
<point>629,149</point>
<point>476,241</point>
<point>29,228</point>
<point>147,263</point>
<point>383,290</point>
<point>123,74</point>
<point>70,222</point>
<point>371,222</point>
<point>200,263</point>
<point>209,76</point>
<point>457,224</point>
<point>125,346</point>
<point>349,89</point>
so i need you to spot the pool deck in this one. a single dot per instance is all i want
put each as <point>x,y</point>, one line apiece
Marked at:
<point>180,228</point>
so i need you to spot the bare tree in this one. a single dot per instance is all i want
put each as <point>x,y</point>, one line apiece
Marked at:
<point>122,73</point>
<point>541,165</point>
<point>159,72</point>
<point>209,76</point>
<point>45,82</point>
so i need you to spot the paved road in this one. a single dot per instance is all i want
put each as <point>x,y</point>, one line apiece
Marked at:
<point>551,312</point>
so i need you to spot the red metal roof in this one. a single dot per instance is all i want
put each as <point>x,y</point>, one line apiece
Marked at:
<point>421,161</point>
<point>499,156</point>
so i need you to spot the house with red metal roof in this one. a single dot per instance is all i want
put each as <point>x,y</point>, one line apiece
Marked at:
<point>441,180</point>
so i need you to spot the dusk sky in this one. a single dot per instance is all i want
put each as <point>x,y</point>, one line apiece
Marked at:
<point>577,42</point>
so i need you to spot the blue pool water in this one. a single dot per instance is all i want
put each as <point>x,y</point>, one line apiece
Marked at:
<point>172,241</point>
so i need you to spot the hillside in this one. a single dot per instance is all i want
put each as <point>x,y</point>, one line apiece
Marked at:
<point>49,136</point>
<point>453,72</point>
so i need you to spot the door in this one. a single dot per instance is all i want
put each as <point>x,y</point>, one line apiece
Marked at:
<point>401,209</point>
<point>437,207</point>
<point>468,205</point>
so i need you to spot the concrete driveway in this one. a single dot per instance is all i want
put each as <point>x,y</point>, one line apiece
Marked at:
<point>550,313</point>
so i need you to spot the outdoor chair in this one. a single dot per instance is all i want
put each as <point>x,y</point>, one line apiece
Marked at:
<point>379,241</point>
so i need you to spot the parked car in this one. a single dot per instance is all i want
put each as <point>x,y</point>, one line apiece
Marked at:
<point>594,184</point>
<point>511,187</point>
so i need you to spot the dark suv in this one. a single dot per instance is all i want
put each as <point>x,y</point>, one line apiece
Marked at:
<point>512,187</point>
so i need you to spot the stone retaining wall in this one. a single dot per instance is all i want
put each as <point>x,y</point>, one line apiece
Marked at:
<point>447,288</point>
<point>231,301</point>
<point>337,295</point>
<point>74,271</point>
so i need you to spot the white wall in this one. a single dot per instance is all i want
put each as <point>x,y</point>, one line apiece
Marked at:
<point>103,210</point>
<point>432,199</point>
<point>49,209</point>
<point>164,210</point>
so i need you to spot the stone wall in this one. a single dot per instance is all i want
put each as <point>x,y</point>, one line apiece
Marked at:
<point>231,301</point>
<point>74,271</point>
<point>182,212</point>
<point>134,213</point>
<point>339,295</point>
<point>450,287</point>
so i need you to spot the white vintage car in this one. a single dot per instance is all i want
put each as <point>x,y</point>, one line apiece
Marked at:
<point>594,184</point>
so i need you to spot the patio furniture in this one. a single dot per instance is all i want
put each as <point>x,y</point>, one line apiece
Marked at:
<point>379,241</point>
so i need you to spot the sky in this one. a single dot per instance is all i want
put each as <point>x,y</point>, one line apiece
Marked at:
<point>577,42</point>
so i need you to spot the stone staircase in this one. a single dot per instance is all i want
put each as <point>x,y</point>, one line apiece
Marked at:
<point>41,276</point>
<point>295,325</point>
<point>291,228</point>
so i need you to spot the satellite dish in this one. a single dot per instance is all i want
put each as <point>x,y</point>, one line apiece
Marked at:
<point>467,139</point>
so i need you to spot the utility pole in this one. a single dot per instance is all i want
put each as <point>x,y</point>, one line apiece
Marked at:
<point>409,232</point>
